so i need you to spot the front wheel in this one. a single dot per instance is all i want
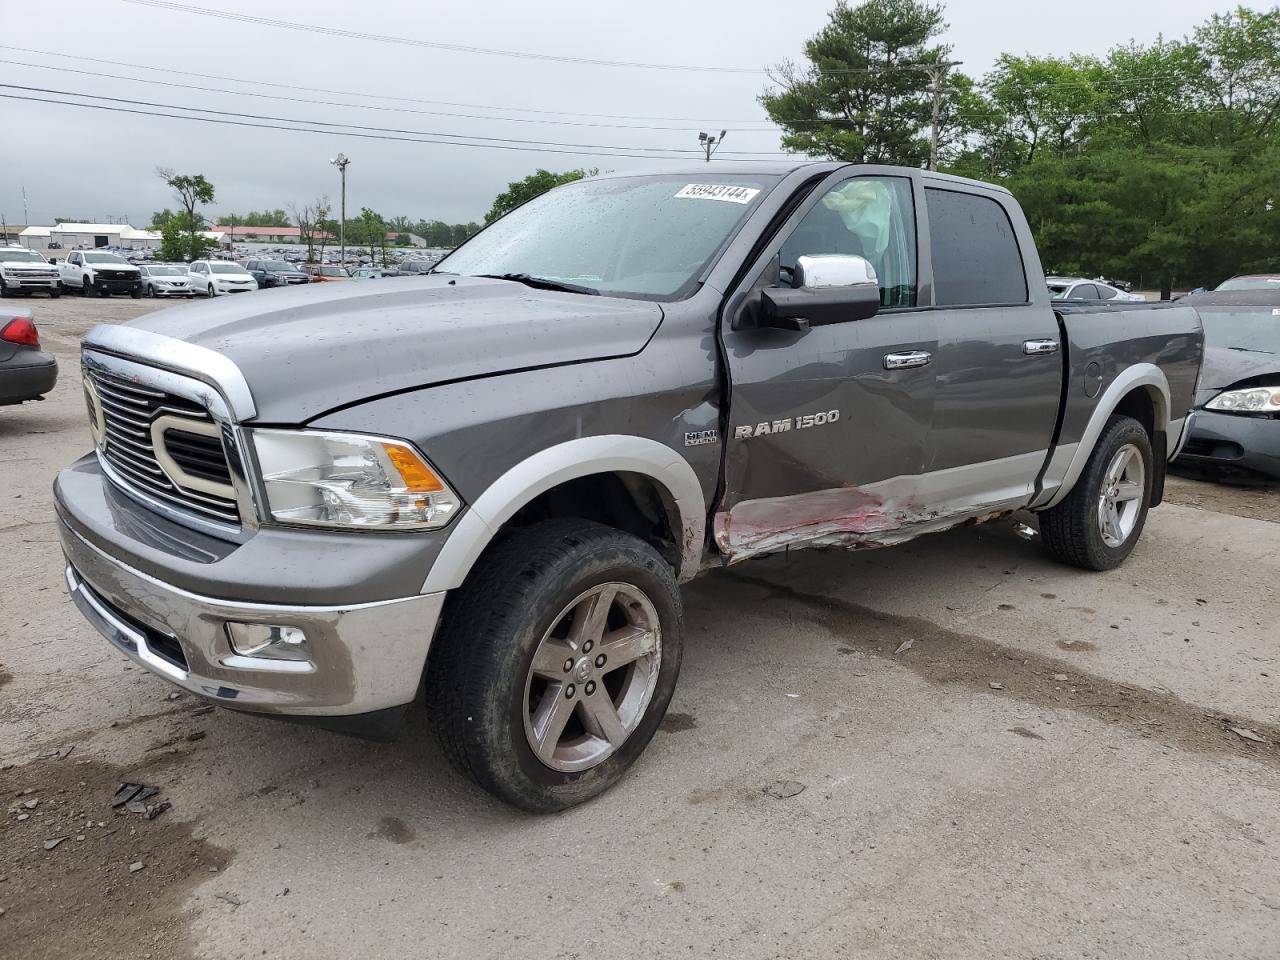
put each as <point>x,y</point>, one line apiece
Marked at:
<point>211,292</point>
<point>4,291</point>
<point>136,293</point>
<point>1098,524</point>
<point>556,662</point>
<point>55,293</point>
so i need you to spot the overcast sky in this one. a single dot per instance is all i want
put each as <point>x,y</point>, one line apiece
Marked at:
<point>77,162</point>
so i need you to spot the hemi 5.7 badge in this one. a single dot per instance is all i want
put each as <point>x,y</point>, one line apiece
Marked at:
<point>801,422</point>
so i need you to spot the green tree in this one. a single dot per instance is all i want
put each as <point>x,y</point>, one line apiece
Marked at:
<point>191,190</point>
<point>181,244</point>
<point>863,96</point>
<point>522,191</point>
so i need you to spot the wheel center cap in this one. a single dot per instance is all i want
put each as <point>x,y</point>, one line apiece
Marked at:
<point>582,670</point>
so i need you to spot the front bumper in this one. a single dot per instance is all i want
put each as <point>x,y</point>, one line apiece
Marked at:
<point>365,657</point>
<point>160,291</point>
<point>1232,442</point>
<point>28,380</point>
<point>117,286</point>
<point>31,283</point>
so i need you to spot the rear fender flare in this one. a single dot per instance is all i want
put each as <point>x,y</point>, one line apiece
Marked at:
<point>1068,463</point>
<point>585,456</point>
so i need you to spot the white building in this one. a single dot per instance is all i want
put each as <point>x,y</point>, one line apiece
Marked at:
<point>70,236</point>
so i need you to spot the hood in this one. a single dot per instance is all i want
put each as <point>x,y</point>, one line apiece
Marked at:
<point>1223,368</point>
<point>25,265</point>
<point>308,349</point>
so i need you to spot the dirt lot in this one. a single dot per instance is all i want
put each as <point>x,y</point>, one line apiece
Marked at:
<point>1046,769</point>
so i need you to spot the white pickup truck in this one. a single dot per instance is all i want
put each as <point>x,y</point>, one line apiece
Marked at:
<point>92,272</point>
<point>24,271</point>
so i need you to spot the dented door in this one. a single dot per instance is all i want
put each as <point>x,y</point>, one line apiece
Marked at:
<point>822,421</point>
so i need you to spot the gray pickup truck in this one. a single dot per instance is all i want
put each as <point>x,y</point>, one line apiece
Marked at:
<point>490,481</point>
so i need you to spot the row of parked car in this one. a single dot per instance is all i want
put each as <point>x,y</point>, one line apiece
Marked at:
<point>101,273</point>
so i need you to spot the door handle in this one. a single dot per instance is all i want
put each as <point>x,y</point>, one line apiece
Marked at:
<point>1036,348</point>
<point>904,361</point>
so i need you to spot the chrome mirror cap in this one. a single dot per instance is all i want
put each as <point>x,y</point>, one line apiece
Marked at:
<point>820,271</point>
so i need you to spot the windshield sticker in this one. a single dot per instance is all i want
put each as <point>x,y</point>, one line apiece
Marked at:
<point>717,191</point>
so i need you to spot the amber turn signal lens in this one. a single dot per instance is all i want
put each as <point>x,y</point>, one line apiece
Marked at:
<point>417,475</point>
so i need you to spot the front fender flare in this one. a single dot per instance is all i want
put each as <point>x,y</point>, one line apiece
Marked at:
<point>585,456</point>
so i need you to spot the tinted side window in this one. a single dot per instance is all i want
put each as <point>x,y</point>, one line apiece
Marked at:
<point>1107,293</point>
<point>975,254</point>
<point>869,217</point>
<point>1084,291</point>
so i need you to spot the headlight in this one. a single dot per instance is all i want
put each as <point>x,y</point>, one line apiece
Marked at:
<point>346,480</point>
<point>1248,400</point>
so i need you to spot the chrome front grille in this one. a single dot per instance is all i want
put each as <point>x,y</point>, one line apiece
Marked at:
<point>129,413</point>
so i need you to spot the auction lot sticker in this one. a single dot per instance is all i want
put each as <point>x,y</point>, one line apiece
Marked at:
<point>717,191</point>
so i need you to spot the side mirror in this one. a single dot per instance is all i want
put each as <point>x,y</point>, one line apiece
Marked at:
<point>831,288</point>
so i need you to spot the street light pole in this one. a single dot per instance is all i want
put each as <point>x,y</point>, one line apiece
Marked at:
<point>710,143</point>
<point>341,161</point>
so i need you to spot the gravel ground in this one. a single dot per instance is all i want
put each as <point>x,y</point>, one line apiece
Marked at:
<point>1046,769</point>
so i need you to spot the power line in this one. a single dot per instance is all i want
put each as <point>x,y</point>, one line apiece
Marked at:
<point>354,126</point>
<point>592,151</point>
<point>348,93</point>
<point>430,44</point>
<point>362,106</point>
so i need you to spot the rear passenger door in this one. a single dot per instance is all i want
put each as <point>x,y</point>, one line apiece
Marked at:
<point>999,362</point>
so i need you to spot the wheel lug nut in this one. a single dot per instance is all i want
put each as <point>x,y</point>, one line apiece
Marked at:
<point>586,647</point>
<point>590,687</point>
<point>569,691</point>
<point>600,660</point>
<point>568,665</point>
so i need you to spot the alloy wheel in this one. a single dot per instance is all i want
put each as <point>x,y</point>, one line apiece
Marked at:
<point>1120,500</point>
<point>592,677</point>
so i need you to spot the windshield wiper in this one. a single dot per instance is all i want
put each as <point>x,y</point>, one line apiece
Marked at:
<point>542,283</point>
<point>1252,350</point>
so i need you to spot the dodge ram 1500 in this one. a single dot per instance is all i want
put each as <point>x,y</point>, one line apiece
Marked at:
<point>495,477</point>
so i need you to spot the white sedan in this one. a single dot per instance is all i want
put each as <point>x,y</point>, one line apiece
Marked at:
<point>212,278</point>
<point>1078,288</point>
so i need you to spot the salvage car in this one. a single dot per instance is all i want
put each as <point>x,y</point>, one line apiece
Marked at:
<point>324,272</point>
<point>95,273</point>
<point>166,280</point>
<point>1078,288</point>
<point>1250,281</point>
<point>26,371</point>
<point>1234,430</point>
<point>25,272</point>
<point>212,278</point>
<point>275,273</point>
<point>496,477</point>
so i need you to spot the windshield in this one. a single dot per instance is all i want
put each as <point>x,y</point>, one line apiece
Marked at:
<point>226,268</point>
<point>1242,328</point>
<point>646,237</point>
<point>1058,290</point>
<point>1250,283</point>
<point>104,258</point>
<point>22,256</point>
<point>276,265</point>
<point>166,271</point>
<point>332,272</point>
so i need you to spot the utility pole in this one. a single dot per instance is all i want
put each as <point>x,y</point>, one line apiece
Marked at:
<point>937,72</point>
<point>26,214</point>
<point>341,161</point>
<point>710,144</point>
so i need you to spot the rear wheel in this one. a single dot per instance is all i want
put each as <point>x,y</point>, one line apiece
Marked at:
<point>556,662</point>
<point>1098,524</point>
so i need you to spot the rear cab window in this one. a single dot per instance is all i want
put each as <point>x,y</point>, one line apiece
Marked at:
<point>976,260</point>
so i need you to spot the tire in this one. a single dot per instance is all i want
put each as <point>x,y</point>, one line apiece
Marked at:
<point>55,293</point>
<point>485,696</point>
<point>212,292</point>
<point>148,291</point>
<point>1073,530</point>
<point>4,291</point>
<point>136,293</point>
<point>86,288</point>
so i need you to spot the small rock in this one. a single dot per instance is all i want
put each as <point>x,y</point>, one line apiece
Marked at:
<point>79,836</point>
<point>794,696</point>
<point>173,696</point>
<point>135,866</point>
<point>995,686</point>
<point>1006,606</point>
<point>30,804</point>
<point>904,646</point>
<point>1061,677</point>
<point>1247,734</point>
<point>50,844</point>
<point>784,789</point>
<point>23,816</point>
<point>136,806</point>
<point>213,869</point>
<point>1,911</point>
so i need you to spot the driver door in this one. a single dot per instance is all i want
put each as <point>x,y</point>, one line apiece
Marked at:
<point>825,421</point>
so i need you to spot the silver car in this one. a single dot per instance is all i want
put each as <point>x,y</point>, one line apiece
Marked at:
<point>1078,288</point>
<point>166,280</point>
